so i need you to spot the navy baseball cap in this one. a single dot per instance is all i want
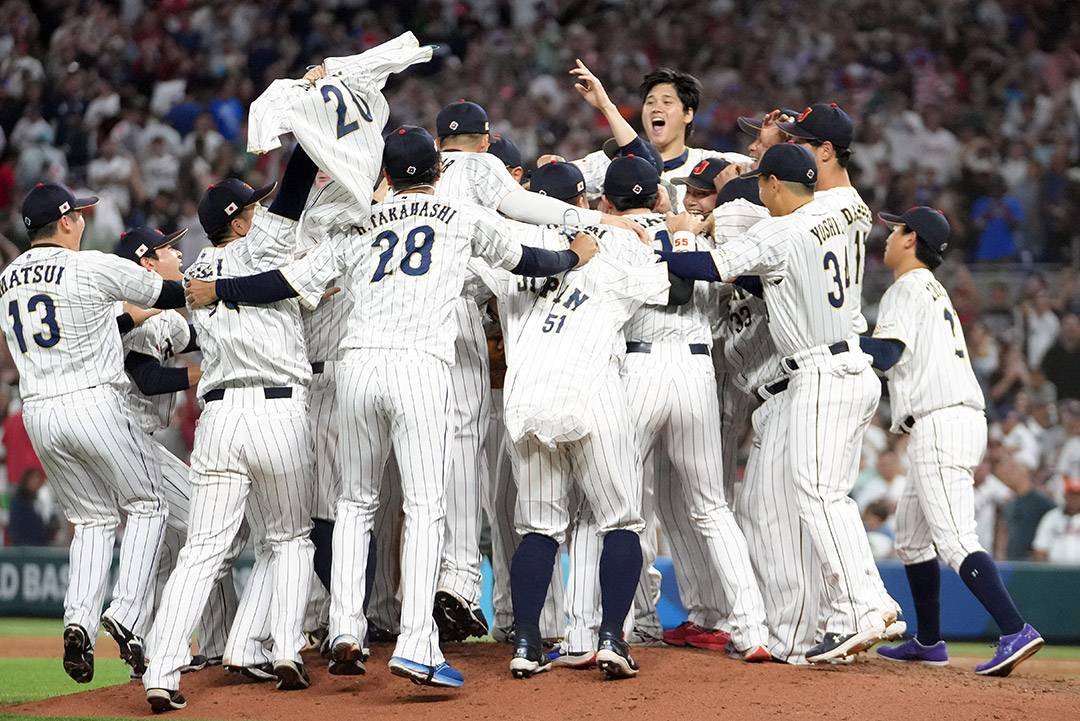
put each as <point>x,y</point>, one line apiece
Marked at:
<point>142,241</point>
<point>930,226</point>
<point>504,149</point>
<point>631,177</point>
<point>611,150</point>
<point>736,188</point>
<point>409,152</point>
<point>558,180</point>
<point>788,162</point>
<point>821,122</point>
<point>225,200</point>
<point>48,202</point>
<point>752,125</point>
<point>703,174</point>
<point>461,118</point>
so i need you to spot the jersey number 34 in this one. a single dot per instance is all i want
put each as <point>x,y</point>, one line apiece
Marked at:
<point>42,305</point>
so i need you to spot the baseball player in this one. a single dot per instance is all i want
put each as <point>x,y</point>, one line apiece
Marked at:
<point>826,131</point>
<point>470,173</point>
<point>393,390</point>
<point>832,391</point>
<point>708,609</point>
<point>60,328</point>
<point>935,398</point>
<point>504,149</point>
<point>669,100</point>
<point>154,381</point>
<point>252,439</point>
<point>566,422</point>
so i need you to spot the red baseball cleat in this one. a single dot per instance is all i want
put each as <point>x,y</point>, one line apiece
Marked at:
<point>715,640</point>
<point>677,636</point>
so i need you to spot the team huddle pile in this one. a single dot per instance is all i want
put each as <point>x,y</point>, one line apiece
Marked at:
<point>346,374</point>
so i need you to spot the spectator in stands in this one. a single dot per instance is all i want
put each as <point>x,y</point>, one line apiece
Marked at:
<point>1063,359</point>
<point>1010,378</point>
<point>1041,326</point>
<point>991,495</point>
<point>983,349</point>
<point>999,315</point>
<point>32,520</point>
<point>878,530</point>
<point>1058,536</point>
<point>1023,513</point>
<point>1017,437</point>
<point>883,487</point>
<point>997,216</point>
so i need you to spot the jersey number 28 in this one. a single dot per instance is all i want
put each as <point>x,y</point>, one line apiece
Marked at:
<point>47,317</point>
<point>417,258</point>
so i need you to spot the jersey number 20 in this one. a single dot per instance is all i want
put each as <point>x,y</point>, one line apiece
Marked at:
<point>417,258</point>
<point>48,320</point>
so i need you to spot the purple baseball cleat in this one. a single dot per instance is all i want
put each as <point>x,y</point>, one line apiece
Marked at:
<point>912,651</point>
<point>1011,650</point>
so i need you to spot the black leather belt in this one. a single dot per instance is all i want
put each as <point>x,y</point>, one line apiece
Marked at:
<point>836,349</point>
<point>768,391</point>
<point>269,393</point>
<point>907,424</point>
<point>318,367</point>
<point>637,346</point>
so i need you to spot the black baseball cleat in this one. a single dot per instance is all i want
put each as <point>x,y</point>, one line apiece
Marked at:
<point>836,646</point>
<point>613,657</point>
<point>291,676</point>
<point>456,619</point>
<point>378,634</point>
<point>259,672</point>
<point>131,646</point>
<point>162,700</point>
<point>529,658</point>
<point>78,654</point>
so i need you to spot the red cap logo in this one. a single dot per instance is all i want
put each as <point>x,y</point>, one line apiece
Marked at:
<point>803,114</point>
<point>700,168</point>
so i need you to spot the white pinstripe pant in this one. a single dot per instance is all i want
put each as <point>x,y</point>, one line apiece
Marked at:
<point>502,500</point>
<point>787,567</point>
<point>102,466</point>
<point>323,418</point>
<point>673,401</point>
<point>470,379</point>
<point>392,400</point>
<point>217,617</point>
<point>384,606</point>
<point>832,402</point>
<point>247,448</point>
<point>937,507</point>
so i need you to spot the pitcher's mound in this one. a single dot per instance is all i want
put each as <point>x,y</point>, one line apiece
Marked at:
<point>674,684</point>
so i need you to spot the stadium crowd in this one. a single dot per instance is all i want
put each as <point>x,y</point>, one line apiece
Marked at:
<point>972,106</point>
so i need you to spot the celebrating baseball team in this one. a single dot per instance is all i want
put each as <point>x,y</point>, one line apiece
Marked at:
<point>407,340</point>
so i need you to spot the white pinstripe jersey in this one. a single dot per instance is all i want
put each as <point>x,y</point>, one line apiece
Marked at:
<point>250,345</point>
<point>160,337</point>
<point>405,270</point>
<point>748,346</point>
<point>339,119</point>
<point>560,331</point>
<point>799,257</point>
<point>331,209</point>
<point>934,370</point>
<point>594,167</point>
<point>689,323</point>
<point>857,216</point>
<point>59,317</point>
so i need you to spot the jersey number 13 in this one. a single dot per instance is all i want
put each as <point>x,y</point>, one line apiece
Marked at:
<point>43,306</point>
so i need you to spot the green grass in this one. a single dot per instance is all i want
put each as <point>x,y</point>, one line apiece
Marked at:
<point>31,679</point>
<point>31,627</point>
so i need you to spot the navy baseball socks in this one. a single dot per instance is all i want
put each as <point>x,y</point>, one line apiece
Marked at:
<point>620,567</point>
<point>530,576</point>
<point>925,582</point>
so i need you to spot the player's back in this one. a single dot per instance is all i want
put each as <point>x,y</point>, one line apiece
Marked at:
<point>808,296</point>
<point>408,266</point>
<point>479,178</point>
<point>688,323</point>
<point>250,345</point>
<point>935,371</point>
<point>855,214</point>
<point>60,317</point>
<point>161,337</point>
